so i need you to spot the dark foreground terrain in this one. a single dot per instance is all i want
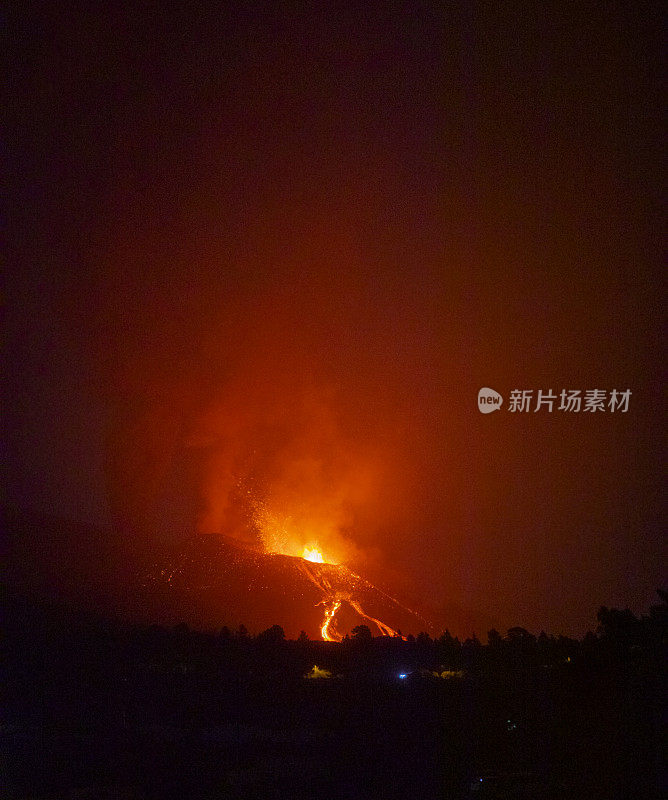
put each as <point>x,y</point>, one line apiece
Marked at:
<point>98,709</point>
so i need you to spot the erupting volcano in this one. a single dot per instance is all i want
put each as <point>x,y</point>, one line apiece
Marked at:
<point>213,580</point>
<point>337,583</point>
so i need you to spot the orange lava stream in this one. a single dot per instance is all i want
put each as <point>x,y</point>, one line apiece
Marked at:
<point>384,629</point>
<point>329,616</point>
<point>332,602</point>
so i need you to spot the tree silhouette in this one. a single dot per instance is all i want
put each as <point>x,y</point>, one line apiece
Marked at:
<point>519,634</point>
<point>272,635</point>
<point>361,633</point>
<point>494,638</point>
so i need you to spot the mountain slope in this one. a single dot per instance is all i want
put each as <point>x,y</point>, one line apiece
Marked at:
<point>213,581</point>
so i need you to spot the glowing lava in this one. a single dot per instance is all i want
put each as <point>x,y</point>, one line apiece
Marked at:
<point>313,554</point>
<point>282,534</point>
<point>329,616</point>
<point>384,629</point>
<point>334,597</point>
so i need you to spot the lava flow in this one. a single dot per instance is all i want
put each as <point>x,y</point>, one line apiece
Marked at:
<point>334,595</point>
<point>212,579</point>
<point>329,616</point>
<point>384,629</point>
<point>334,581</point>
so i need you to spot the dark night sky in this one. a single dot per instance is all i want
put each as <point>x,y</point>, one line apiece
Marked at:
<point>262,244</point>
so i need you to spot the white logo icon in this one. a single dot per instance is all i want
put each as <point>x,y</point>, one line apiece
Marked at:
<point>489,400</point>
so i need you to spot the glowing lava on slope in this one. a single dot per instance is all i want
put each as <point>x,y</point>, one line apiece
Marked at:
<point>280,534</point>
<point>330,611</point>
<point>211,580</point>
<point>337,584</point>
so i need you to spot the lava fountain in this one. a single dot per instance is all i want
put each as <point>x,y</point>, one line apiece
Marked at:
<point>283,534</point>
<point>313,554</point>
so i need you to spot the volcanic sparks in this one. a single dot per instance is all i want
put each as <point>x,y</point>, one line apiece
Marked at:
<point>283,534</point>
<point>212,573</point>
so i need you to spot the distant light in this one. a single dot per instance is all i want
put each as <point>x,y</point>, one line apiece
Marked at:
<point>318,673</point>
<point>402,674</point>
